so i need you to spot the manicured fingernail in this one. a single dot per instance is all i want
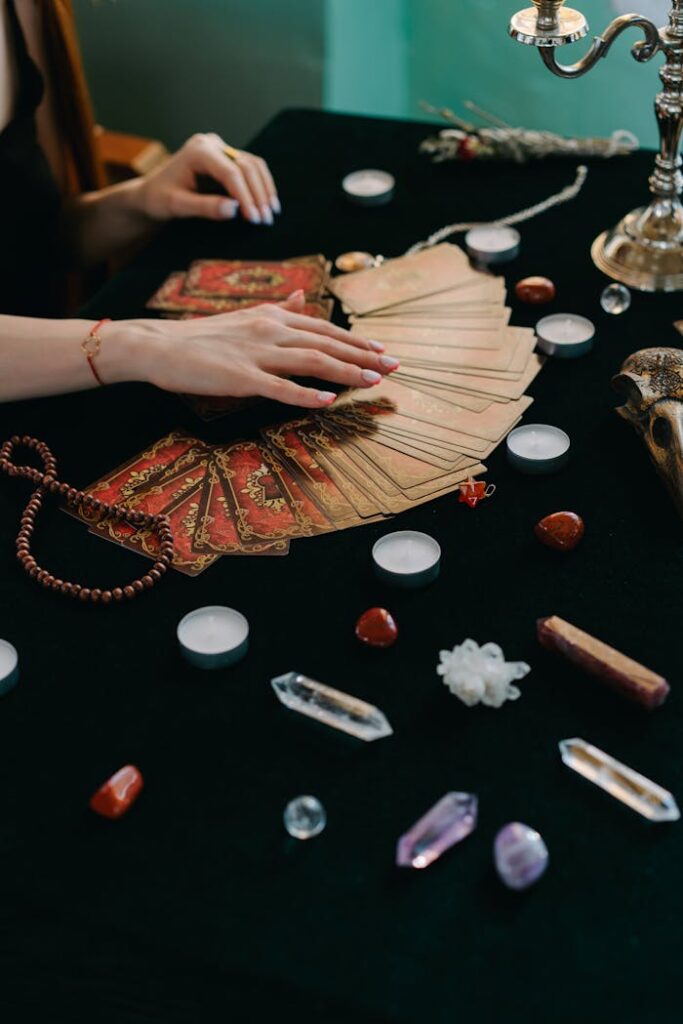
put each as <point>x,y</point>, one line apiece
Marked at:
<point>377,346</point>
<point>326,396</point>
<point>267,215</point>
<point>389,362</point>
<point>253,215</point>
<point>228,209</point>
<point>275,204</point>
<point>370,377</point>
<point>298,294</point>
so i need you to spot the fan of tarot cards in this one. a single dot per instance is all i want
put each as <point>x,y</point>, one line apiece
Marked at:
<point>420,434</point>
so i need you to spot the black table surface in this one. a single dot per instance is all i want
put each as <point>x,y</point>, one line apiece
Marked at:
<point>196,906</point>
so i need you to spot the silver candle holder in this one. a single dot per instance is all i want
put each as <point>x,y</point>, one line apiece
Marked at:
<point>645,249</point>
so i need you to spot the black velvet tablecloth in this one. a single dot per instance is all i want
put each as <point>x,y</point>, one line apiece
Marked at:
<point>196,907</point>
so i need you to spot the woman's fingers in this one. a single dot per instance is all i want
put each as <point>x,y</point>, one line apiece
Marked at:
<point>210,159</point>
<point>269,184</point>
<point>260,185</point>
<point>313,363</point>
<point>362,357</point>
<point>295,302</point>
<point>252,176</point>
<point>280,390</point>
<point>191,204</point>
<point>318,326</point>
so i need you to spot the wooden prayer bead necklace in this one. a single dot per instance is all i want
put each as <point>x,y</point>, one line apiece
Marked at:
<point>47,481</point>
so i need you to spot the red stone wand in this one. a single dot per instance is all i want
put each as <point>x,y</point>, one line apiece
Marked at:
<point>47,481</point>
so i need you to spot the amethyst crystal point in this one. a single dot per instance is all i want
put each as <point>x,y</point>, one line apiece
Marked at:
<point>520,855</point>
<point>445,824</point>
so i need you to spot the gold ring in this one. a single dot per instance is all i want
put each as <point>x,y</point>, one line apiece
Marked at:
<point>231,152</point>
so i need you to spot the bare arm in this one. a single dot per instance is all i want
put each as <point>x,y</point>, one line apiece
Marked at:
<point>238,354</point>
<point>44,357</point>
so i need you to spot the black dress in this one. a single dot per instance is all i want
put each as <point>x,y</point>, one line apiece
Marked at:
<point>29,200</point>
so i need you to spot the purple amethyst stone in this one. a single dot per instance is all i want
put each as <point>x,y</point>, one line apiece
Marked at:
<point>520,855</point>
<point>448,822</point>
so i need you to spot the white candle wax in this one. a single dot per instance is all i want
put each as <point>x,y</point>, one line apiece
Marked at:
<point>492,243</point>
<point>213,636</point>
<point>369,186</point>
<point>565,335</point>
<point>9,666</point>
<point>538,447</point>
<point>407,558</point>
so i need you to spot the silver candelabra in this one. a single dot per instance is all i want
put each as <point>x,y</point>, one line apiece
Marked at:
<point>645,249</point>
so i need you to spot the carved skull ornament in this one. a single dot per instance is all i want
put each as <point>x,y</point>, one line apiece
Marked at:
<point>652,383</point>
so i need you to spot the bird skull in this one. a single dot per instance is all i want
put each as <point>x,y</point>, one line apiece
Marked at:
<point>652,383</point>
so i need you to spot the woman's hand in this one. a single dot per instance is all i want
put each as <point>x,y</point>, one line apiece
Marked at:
<point>171,191</point>
<point>247,353</point>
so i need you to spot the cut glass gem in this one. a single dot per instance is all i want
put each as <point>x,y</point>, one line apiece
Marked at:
<point>615,299</point>
<point>623,783</point>
<point>304,817</point>
<point>448,822</point>
<point>332,707</point>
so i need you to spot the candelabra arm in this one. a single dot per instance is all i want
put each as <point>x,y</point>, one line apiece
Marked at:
<point>643,50</point>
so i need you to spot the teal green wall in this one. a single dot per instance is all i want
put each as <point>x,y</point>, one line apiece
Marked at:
<point>367,56</point>
<point>166,68</point>
<point>459,49</point>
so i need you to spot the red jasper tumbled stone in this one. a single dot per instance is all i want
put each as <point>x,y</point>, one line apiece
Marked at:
<point>561,530</point>
<point>535,290</point>
<point>118,793</point>
<point>376,628</point>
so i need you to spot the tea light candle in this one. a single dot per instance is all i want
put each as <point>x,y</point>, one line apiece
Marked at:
<point>492,243</point>
<point>565,335</point>
<point>213,637</point>
<point>9,667</point>
<point>538,448</point>
<point>369,187</point>
<point>406,558</point>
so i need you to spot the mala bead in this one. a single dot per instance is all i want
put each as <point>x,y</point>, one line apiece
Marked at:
<point>47,482</point>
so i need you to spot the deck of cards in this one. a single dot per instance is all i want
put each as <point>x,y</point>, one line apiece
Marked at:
<point>464,369</point>
<point>226,286</point>
<point>419,434</point>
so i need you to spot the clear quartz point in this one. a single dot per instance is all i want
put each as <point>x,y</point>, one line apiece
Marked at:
<point>615,299</point>
<point>623,783</point>
<point>332,707</point>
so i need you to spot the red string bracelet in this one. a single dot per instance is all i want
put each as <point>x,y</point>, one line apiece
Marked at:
<point>91,345</point>
<point>46,480</point>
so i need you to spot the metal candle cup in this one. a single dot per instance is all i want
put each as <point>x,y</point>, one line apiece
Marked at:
<point>538,448</point>
<point>565,335</point>
<point>492,243</point>
<point>369,187</point>
<point>406,558</point>
<point>9,667</point>
<point>213,637</point>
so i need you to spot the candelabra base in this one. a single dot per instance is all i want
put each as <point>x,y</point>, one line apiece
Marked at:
<point>645,249</point>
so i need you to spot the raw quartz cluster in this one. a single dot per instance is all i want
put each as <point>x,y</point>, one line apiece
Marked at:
<point>480,675</point>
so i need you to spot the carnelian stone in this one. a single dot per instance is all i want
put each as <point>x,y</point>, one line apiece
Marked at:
<point>376,628</point>
<point>472,492</point>
<point>535,290</point>
<point>561,530</point>
<point>118,793</point>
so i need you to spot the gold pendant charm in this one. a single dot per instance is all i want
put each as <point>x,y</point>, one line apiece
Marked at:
<point>348,262</point>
